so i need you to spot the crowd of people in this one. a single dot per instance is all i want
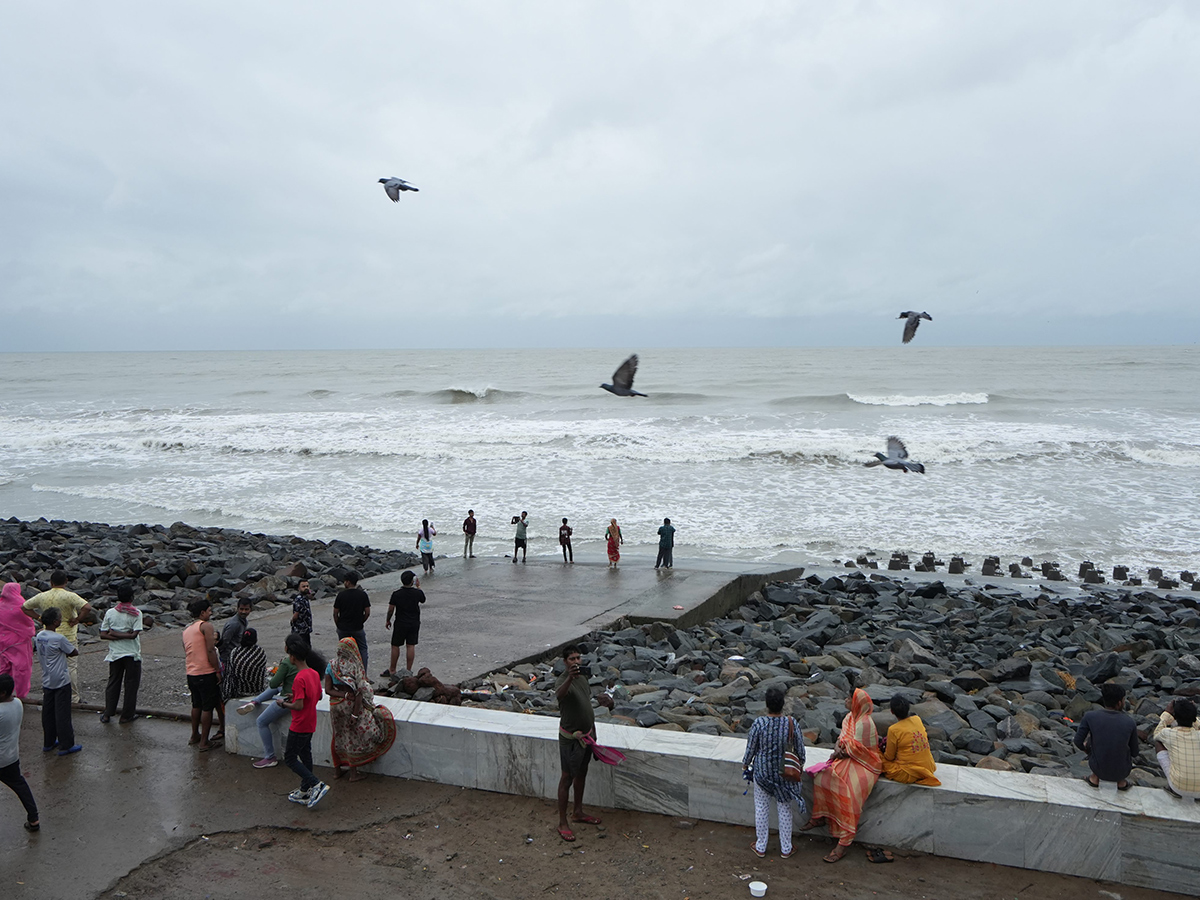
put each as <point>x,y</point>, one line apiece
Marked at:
<point>613,541</point>
<point>232,664</point>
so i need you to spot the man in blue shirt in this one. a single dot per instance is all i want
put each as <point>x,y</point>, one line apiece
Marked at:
<point>53,650</point>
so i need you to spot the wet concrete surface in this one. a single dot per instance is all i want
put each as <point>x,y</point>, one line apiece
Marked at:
<point>480,614</point>
<point>138,791</point>
<point>485,613</point>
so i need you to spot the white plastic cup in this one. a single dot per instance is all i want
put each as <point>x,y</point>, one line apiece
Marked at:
<point>758,889</point>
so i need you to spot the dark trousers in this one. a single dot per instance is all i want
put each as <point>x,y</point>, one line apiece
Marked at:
<point>568,551</point>
<point>11,775</point>
<point>125,670</point>
<point>360,638</point>
<point>664,557</point>
<point>297,755</point>
<point>56,718</point>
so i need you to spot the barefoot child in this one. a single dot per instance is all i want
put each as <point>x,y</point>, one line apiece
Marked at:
<point>306,692</point>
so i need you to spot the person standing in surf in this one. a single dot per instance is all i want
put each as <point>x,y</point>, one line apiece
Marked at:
<point>425,545</point>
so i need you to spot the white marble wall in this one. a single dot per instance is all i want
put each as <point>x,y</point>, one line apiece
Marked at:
<point>1140,837</point>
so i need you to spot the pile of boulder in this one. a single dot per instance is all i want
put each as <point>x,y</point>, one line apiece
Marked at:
<point>999,675</point>
<point>422,687</point>
<point>170,567</point>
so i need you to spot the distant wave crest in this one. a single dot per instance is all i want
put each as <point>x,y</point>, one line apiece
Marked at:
<point>960,399</point>
<point>467,395</point>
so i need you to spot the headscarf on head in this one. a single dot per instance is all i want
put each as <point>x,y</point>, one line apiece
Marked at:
<point>347,668</point>
<point>16,639</point>
<point>859,736</point>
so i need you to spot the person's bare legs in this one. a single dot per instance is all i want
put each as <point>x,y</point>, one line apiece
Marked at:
<point>410,653</point>
<point>564,794</point>
<point>395,659</point>
<point>205,722</point>
<point>195,738</point>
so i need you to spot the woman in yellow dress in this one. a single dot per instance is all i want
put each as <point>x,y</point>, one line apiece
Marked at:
<point>907,758</point>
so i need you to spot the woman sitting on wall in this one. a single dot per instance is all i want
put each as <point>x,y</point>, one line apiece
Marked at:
<point>841,789</point>
<point>907,758</point>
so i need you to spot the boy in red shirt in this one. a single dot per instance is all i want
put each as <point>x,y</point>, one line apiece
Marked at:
<point>306,692</point>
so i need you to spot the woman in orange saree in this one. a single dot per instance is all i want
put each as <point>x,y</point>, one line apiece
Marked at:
<point>841,790</point>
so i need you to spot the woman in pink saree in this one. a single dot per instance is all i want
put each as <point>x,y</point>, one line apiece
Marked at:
<point>16,639</point>
<point>841,790</point>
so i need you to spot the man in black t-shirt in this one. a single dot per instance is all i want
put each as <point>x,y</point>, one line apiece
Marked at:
<point>351,610</point>
<point>405,605</point>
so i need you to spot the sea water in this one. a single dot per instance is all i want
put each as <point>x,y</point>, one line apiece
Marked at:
<point>1066,454</point>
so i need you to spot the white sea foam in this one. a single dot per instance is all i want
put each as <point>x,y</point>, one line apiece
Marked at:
<point>1021,458</point>
<point>958,399</point>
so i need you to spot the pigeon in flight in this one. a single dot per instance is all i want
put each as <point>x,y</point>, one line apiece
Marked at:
<point>394,186</point>
<point>622,384</point>
<point>911,321</point>
<point>896,458</point>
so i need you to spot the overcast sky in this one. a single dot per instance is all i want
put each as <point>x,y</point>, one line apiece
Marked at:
<point>597,173</point>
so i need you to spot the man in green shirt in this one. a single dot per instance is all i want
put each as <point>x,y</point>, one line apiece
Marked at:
<point>576,721</point>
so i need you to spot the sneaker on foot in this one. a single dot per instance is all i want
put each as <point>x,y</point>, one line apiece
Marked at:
<point>265,763</point>
<point>247,708</point>
<point>70,750</point>
<point>299,795</point>
<point>317,793</point>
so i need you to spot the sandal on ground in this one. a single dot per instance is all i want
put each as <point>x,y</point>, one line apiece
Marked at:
<point>787,855</point>
<point>811,824</point>
<point>566,834</point>
<point>1088,780</point>
<point>835,854</point>
<point>879,855</point>
<point>204,748</point>
<point>586,820</point>
<point>218,738</point>
<point>759,853</point>
<point>32,826</point>
<point>1127,786</point>
<point>1172,792</point>
<point>105,718</point>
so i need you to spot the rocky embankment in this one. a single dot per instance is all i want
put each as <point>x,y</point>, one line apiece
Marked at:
<point>998,675</point>
<point>170,567</point>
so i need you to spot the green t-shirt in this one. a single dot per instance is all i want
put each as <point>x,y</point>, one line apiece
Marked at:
<point>575,706</point>
<point>285,674</point>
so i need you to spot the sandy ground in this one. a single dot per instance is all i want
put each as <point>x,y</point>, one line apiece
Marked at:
<point>474,844</point>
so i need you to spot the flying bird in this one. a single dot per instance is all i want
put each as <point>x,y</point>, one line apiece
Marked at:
<point>896,458</point>
<point>911,321</point>
<point>394,186</point>
<point>622,384</point>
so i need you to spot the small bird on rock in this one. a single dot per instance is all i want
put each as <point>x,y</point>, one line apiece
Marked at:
<point>394,186</point>
<point>912,320</point>
<point>622,384</point>
<point>896,458</point>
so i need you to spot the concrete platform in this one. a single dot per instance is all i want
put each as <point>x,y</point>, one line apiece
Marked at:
<point>1140,837</point>
<point>487,613</point>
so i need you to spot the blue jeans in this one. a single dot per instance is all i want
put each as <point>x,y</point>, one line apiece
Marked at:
<point>272,714</point>
<point>360,638</point>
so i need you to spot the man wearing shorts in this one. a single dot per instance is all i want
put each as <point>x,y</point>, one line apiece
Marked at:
<point>521,541</point>
<point>203,673</point>
<point>405,606</point>
<point>576,721</point>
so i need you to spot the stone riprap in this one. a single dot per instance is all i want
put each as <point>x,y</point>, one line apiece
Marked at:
<point>999,676</point>
<point>170,567</point>
<point>1026,568</point>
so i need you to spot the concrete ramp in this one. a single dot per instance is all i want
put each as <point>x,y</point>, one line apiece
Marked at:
<point>486,613</point>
